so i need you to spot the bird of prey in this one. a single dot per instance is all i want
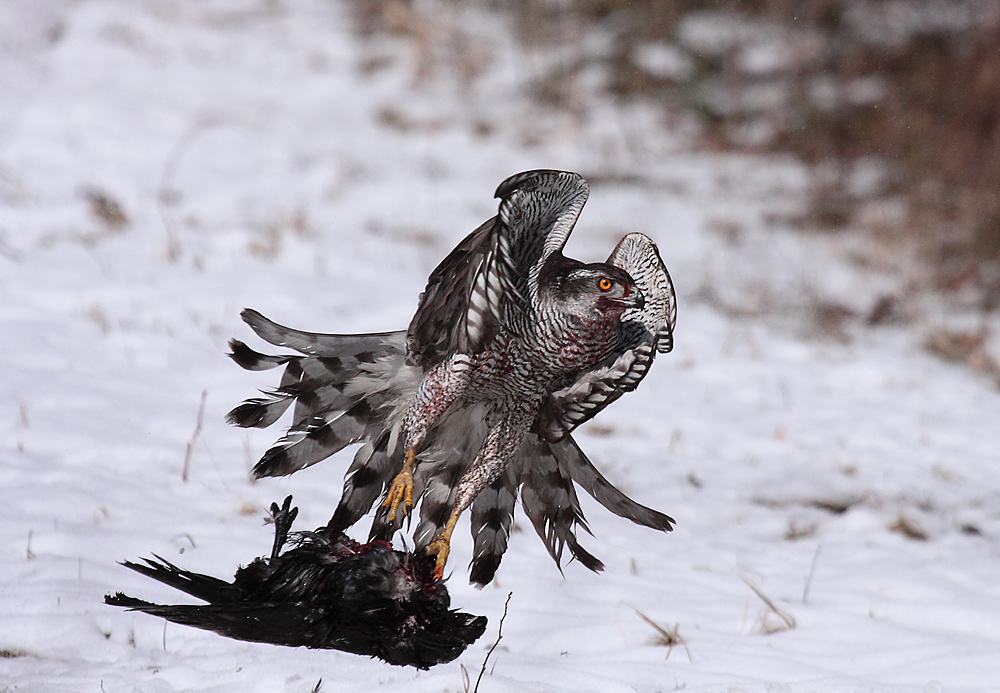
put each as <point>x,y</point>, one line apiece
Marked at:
<point>327,592</point>
<point>513,345</point>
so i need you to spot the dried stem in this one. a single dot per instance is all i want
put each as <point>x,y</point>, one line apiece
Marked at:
<point>499,637</point>
<point>668,637</point>
<point>194,437</point>
<point>809,577</point>
<point>785,617</point>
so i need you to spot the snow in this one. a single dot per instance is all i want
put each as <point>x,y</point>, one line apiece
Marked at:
<point>261,163</point>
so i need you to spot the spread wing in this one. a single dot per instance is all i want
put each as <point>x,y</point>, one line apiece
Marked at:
<point>651,330</point>
<point>494,271</point>
<point>638,255</point>
<point>344,388</point>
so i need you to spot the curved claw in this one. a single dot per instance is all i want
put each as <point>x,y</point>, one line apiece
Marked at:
<point>441,545</point>
<point>401,491</point>
<point>400,495</point>
<point>440,548</point>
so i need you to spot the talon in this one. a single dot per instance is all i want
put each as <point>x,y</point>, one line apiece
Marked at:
<point>401,490</point>
<point>441,545</point>
<point>400,495</point>
<point>440,548</point>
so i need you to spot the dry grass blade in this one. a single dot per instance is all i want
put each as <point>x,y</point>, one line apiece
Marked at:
<point>668,637</point>
<point>194,437</point>
<point>908,528</point>
<point>787,621</point>
<point>809,577</point>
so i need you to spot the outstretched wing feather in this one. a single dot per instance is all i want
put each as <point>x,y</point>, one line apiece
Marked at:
<point>454,311</point>
<point>650,330</point>
<point>495,269</point>
<point>638,255</point>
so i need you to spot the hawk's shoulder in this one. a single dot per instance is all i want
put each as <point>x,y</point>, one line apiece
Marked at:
<point>494,270</point>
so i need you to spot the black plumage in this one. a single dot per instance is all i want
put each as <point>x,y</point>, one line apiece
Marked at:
<point>326,592</point>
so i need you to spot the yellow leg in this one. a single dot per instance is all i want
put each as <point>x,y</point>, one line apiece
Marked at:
<point>442,543</point>
<point>401,490</point>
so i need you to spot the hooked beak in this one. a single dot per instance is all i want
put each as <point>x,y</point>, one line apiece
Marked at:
<point>634,300</point>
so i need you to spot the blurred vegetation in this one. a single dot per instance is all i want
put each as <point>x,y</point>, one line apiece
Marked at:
<point>894,104</point>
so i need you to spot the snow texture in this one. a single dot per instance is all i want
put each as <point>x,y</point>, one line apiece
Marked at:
<point>164,164</point>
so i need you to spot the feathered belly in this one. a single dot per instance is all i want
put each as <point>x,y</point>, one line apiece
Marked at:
<point>511,375</point>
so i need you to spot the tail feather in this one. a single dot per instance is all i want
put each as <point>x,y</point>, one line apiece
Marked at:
<point>204,587</point>
<point>262,412</point>
<point>253,360</point>
<point>313,440</point>
<point>122,599</point>
<point>550,502</point>
<point>313,343</point>
<point>345,388</point>
<point>322,386</point>
<point>574,464</point>
<point>293,625</point>
<point>492,512</point>
<point>365,481</point>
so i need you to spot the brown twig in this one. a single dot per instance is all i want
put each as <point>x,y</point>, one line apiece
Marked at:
<point>499,637</point>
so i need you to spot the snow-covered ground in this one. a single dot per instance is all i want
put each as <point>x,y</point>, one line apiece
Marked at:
<point>261,155</point>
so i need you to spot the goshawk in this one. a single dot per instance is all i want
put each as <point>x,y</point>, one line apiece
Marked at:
<point>513,345</point>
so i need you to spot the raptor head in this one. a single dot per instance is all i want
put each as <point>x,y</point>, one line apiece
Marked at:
<point>595,291</point>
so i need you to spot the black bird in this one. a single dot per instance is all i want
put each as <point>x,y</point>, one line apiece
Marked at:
<point>326,592</point>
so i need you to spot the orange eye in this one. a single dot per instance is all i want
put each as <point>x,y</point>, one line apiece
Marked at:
<point>605,284</point>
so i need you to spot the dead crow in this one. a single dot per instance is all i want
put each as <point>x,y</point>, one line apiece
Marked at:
<point>326,592</point>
